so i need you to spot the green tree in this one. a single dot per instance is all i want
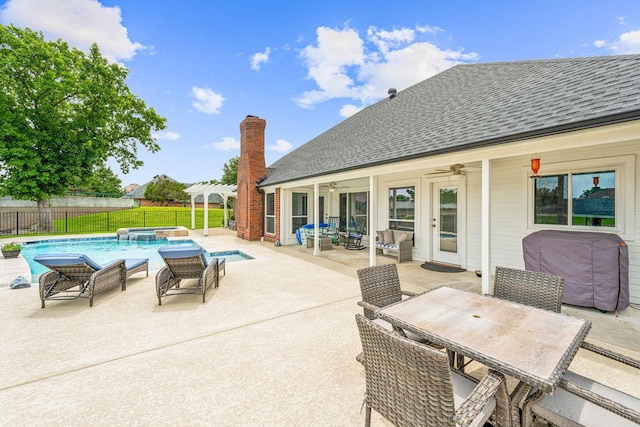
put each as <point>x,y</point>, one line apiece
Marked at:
<point>230,172</point>
<point>102,180</point>
<point>165,190</point>
<point>62,112</point>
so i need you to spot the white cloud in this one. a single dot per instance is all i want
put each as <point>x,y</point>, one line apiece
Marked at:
<point>328,64</point>
<point>206,100</point>
<point>258,58</point>
<point>80,23</point>
<point>227,143</point>
<point>344,65</point>
<point>428,29</point>
<point>349,110</point>
<point>280,146</point>
<point>166,135</point>
<point>626,44</point>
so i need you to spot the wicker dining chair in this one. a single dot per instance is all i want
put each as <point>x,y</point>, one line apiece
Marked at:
<point>411,384</point>
<point>380,287</point>
<point>530,288</point>
<point>580,400</point>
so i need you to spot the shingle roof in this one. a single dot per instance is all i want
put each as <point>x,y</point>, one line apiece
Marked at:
<point>473,105</point>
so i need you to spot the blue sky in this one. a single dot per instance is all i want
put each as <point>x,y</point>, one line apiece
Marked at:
<point>304,66</point>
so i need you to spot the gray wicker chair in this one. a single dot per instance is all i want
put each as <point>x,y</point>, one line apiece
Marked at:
<point>411,384</point>
<point>582,401</point>
<point>186,262</point>
<point>380,287</point>
<point>530,288</point>
<point>72,276</point>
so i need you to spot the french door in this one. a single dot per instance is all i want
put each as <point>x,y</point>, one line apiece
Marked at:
<point>447,221</point>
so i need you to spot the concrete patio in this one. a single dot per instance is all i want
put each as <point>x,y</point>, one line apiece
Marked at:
<point>275,344</point>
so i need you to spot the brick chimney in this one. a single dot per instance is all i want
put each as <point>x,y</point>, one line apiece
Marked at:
<point>249,206</point>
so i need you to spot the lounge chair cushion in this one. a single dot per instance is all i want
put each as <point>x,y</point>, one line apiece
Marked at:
<point>63,259</point>
<point>172,252</point>
<point>135,262</point>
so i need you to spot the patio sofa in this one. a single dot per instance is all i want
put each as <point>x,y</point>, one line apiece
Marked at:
<point>396,242</point>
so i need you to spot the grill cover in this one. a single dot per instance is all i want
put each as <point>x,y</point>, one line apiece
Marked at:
<point>595,266</point>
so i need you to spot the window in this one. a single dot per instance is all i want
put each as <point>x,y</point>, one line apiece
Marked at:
<point>353,210</point>
<point>299,211</point>
<point>576,199</point>
<point>402,208</point>
<point>270,212</point>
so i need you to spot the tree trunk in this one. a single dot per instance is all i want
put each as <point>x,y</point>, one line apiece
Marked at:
<point>45,219</point>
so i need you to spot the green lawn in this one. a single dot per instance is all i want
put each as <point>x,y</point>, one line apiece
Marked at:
<point>104,222</point>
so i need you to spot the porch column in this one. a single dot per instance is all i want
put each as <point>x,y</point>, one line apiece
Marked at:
<point>316,219</point>
<point>373,220</point>
<point>225,222</point>
<point>486,226</point>
<point>206,213</point>
<point>193,211</point>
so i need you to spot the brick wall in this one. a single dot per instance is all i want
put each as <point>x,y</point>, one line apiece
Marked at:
<point>252,168</point>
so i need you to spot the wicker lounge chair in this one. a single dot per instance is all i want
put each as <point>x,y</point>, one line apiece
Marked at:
<point>186,262</point>
<point>76,275</point>
<point>411,384</point>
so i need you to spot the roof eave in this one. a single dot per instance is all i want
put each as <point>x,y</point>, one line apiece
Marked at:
<point>538,133</point>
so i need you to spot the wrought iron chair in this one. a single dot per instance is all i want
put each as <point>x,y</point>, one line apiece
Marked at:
<point>72,276</point>
<point>411,384</point>
<point>186,262</point>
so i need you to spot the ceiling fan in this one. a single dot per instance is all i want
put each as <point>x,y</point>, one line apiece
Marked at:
<point>456,170</point>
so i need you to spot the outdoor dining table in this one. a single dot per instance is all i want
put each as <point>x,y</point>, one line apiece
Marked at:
<point>534,346</point>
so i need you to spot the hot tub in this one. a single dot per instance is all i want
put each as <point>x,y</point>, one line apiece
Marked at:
<point>151,233</point>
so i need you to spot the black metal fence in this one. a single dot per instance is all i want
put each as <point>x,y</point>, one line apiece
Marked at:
<point>76,222</point>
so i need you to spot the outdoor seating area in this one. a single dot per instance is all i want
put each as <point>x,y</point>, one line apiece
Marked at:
<point>537,353</point>
<point>263,327</point>
<point>396,242</point>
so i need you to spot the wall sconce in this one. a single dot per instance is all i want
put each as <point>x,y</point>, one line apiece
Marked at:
<point>535,165</point>
<point>596,181</point>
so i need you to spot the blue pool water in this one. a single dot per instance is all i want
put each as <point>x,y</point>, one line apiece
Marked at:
<point>105,249</point>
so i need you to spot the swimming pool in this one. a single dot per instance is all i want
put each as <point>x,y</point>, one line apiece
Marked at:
<point>105,249</point>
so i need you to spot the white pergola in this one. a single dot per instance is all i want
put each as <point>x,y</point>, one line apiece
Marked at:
<point>224,191</point>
